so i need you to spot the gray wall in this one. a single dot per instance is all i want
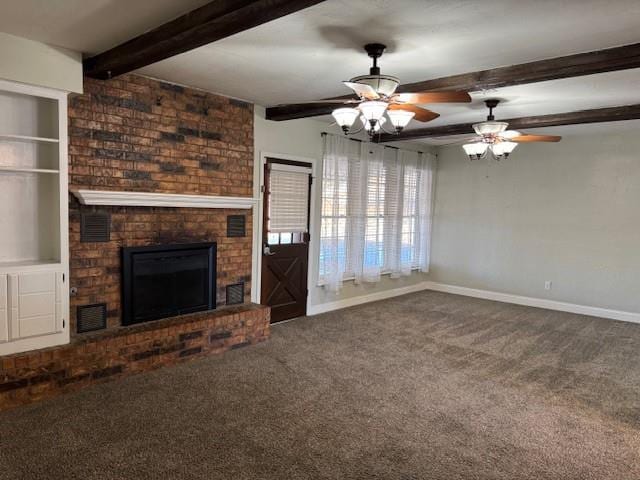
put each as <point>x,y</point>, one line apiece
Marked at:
<point>566,212</point>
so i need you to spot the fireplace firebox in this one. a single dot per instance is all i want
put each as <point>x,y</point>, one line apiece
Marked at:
<point>167,280</point>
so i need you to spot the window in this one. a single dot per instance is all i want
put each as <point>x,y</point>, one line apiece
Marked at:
<point>288,207</point>
<point>376,211</point>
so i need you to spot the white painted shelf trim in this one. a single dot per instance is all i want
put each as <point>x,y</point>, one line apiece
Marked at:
<point>27,170</point>
<point>27,138</point>
<point>147,199</point>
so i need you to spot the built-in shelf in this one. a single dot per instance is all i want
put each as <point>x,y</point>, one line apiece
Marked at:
<point>147,199</point>
<point>26,138</point>
<point>34,242</point>
<point>27,170</point>
<point>28,263</point>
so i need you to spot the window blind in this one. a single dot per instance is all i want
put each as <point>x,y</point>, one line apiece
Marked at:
<point>289,198</point>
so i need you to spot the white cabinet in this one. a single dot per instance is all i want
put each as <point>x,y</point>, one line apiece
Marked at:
<point>35,304</point>
<point>34,246</point>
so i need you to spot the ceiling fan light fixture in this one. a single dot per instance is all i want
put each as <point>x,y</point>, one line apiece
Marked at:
<point>373,110</point>
<point>495,140</point>
<point>367,125</point>
<point>475,150</point>
<point>503,149</point>
<point>384,85</point>
<point>345,117</point>
<point>400,118</point>
<point>490,127</point>
<point>375,93</point>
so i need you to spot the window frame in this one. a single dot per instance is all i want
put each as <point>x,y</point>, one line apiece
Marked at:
<point>302,237</point>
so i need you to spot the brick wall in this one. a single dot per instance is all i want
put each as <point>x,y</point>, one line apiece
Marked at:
<point>137,134</point>
<point>134,133</point>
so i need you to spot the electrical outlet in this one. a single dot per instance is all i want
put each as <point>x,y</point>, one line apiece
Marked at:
<point>547,285</point>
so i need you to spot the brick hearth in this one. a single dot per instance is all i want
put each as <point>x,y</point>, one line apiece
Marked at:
<point>92,358</point>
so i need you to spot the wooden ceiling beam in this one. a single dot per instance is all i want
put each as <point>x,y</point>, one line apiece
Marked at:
<point>599,61</point>
<point>213,21</point>
<point>598,115</point>
<point>581,64</point>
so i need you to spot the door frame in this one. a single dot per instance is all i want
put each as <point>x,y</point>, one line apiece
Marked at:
<point>258,223</point>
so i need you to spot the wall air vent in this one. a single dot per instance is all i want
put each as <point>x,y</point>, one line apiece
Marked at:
<point>91,317</point>
<point>236,226</point>
<point>235,294</point>
<point>95,227</point>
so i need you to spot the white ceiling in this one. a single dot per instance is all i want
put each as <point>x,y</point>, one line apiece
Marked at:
<point>88,26</point>
<point>306,55</point>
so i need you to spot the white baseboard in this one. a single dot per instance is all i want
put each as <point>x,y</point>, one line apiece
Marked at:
<point>476,293</point>
<point>536,302</point>
<point>372,297</point>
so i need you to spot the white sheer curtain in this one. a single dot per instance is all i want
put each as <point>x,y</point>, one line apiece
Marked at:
<point>376,211</point>
<point>425,169</point>
<point>341,163</point>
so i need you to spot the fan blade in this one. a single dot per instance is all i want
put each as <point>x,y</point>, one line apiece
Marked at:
<point>535,138</point>
<point>421,98</point>
<point>362,90</point>
<point>421,114</point>
<point>509,134</point>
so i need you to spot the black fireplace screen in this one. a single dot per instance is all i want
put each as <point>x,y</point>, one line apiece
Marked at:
<point>168,280</point>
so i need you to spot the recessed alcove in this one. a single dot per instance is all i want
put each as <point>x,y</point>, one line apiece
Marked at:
<point>29,179</point>
<point>28,116</point>
<point>30,217</point>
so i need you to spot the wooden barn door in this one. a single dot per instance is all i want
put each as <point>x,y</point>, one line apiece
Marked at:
<point>285,242</point>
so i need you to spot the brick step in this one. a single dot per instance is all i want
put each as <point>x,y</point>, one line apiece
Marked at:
<point>89,359</point>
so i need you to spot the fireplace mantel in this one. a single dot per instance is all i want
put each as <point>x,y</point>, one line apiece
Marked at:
<point>148,199</point>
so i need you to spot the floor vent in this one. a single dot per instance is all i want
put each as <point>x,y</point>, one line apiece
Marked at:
<point>235,294</point>
<point>236,226</point>
<point>95,227</point>
<point>91,317</point>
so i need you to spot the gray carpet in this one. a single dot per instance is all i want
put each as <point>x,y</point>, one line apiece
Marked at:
<point>425,386</point>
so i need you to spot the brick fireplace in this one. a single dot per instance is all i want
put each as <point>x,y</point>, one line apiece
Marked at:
<point>134,134</point>
<point>137,134</point>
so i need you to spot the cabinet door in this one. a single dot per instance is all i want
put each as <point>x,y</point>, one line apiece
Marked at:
<point>35,304</point>
<point>4,314</point>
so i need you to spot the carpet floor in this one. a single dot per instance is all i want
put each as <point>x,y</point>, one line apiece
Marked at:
<point>424,386</point>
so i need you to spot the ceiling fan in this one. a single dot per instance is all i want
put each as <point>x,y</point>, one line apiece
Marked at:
<point>495,138</point>
<point>377,95</point>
